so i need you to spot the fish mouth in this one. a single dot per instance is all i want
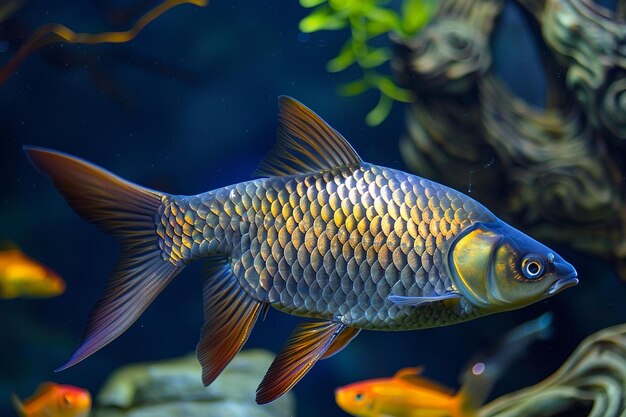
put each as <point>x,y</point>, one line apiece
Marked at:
<point>563,283</point>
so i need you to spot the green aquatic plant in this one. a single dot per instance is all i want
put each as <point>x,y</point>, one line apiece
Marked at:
<point>367,20</point>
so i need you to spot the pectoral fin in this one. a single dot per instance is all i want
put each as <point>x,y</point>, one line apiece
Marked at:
<point>418,301</point>
<point>306,345</point>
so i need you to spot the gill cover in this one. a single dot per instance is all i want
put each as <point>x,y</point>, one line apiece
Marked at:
<point>470,259</point>
<point>496,267</point>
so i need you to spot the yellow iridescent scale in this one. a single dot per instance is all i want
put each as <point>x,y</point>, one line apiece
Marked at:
<point>331,245</point>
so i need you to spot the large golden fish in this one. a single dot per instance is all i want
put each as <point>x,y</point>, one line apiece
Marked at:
<point>322,234</point>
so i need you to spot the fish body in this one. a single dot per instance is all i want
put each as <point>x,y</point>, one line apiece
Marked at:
<point>406,394</point>
<point>22,276</point>
<point>322,234</point>
<point>54,400</point>
<point>332,245</point>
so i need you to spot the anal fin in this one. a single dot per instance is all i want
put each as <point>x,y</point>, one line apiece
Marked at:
<point>306,345</point>
<point>229,316</point>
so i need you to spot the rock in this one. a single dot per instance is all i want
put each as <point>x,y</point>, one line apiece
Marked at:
<point>172,388</point>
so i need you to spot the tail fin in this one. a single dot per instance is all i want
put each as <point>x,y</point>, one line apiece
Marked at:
<point>484,369</point>
<point>17,404</point>
<point>128,212</point>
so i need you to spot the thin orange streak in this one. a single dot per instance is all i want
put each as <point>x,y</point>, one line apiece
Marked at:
<point>57,33</point>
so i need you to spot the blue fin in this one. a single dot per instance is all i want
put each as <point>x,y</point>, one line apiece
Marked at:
<point>306,144</point>
<point>417,301</point>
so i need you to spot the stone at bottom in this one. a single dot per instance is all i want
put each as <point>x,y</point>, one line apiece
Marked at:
<point>173,388</point>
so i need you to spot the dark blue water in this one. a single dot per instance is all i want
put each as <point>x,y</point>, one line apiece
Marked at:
<point>188,106</point>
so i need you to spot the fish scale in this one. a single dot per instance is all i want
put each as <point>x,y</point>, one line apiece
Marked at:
<point>332,245</point>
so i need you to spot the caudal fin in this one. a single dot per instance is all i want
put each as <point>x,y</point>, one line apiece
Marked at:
<point>127,211</point>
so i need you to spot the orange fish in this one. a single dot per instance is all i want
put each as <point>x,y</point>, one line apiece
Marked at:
<point>406,394</point>
<point>54,400</point>
<point>22,276</point>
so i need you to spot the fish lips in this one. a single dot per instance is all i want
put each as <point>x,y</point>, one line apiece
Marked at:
<point>569,278</point>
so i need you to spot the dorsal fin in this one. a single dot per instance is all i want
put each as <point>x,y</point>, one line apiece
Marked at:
<point>306,143</point>
<point>8,245</point>
<point>413,376</point>
<point>406,373</point>
<point>44,388</point>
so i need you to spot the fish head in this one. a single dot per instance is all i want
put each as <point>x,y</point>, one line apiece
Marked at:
<point>73,401</point>
<point>498,268</point>
<point>356,399</point>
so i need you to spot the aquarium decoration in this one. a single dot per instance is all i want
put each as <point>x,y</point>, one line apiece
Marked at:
<point>592,382</point>
<point>559,169</point>
<point>367,20</point>
<point>172,387</point>
<point>52,33</point>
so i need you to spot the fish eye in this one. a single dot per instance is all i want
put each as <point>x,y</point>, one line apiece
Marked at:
<point>532,267</point>
<point>358,396</point>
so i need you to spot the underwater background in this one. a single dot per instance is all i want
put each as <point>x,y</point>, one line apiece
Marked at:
<point>190,105</point>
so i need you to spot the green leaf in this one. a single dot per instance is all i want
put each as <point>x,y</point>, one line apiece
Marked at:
<point>375,29</point>
<point>311,3</point>
<point>339,4</point>
<point>379,113</point>
<point>386,18</point>
<point>342,61</point>
<point>322,18</point>
<point>374,58</point>
<point>389,88</point>
<point>353,88</point>
<point>402,95</point>
<point>354,7</point>
<point>415,14</point>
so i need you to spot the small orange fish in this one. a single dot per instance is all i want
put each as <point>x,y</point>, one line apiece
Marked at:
<point>406,394</point>
<point>54,400</point>
<point>22,276</point>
